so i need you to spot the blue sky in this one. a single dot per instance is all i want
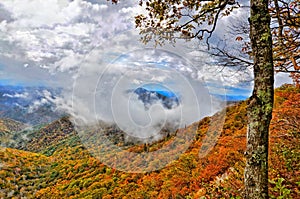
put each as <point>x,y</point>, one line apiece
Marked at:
<point>159,89</point>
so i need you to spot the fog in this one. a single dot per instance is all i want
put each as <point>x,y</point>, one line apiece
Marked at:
<point>100,92</point>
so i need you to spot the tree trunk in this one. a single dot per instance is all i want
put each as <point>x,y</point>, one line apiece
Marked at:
<point>260,104</point>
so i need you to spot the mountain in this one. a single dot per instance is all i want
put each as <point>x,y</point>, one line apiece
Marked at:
<point>7,128</point>
<point>31,105</point>
<point>38,138</point>
<point>150,96</point>
<point>62,167</point>
<point>230,98</point>
<point>9,125</point>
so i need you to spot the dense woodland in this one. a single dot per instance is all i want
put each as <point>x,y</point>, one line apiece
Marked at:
<point>54,164</point>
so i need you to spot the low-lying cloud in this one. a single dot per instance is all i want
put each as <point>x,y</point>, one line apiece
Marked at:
<point>101,88</point>
<point>16,95</point>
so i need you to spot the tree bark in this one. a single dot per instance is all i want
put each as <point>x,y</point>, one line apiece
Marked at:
<point>260,104</point>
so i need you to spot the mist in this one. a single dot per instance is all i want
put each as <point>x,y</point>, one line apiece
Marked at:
<point>101,90</point>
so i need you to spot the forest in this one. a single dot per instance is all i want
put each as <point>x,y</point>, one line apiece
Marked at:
<point>57,165</point>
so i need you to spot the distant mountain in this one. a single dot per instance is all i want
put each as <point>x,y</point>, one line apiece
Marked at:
<point>28,104</point>
<point>150,96</point>
<point>230,98</point>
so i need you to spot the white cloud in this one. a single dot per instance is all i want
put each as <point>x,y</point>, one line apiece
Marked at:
<point>17,95</point>
<point>36,104</point>
<point>37,13</point>
<point>61,34</point>
<point>58,33</point>
<point>101,89</point>
<point>282,78</point>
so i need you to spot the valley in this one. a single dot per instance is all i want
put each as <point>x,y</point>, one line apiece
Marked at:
<point>52,161</point>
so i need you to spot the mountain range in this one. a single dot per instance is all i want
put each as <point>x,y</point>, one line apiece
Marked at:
<point>51,161</point>
<point>29,104</point>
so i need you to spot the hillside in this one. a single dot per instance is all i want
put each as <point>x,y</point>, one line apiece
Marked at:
<point>61,167</point>
<point>39,138</point>
<point>10,125</point>
<point>7,128</point>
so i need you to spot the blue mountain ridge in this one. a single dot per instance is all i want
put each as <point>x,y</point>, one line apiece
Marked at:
<point>16,102</point>
<point>151,96</point>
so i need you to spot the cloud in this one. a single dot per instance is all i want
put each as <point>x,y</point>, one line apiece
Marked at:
<point>101,89</point>
<point>59,33</point>
<point>36,104</point>
<point>17,95</point>
<point>282,78</point>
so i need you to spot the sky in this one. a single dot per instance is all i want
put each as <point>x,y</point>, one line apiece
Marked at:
<point>91,49</point>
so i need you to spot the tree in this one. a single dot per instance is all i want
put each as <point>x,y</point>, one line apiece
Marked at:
<point>261,102</point>
<point>285,25</point>
<point>286,34</point>
<point>168,20</point>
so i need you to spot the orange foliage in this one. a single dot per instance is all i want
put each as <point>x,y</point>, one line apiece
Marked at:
<point>71,172</point>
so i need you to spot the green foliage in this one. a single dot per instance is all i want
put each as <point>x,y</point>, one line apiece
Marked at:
<point>280,189</point>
